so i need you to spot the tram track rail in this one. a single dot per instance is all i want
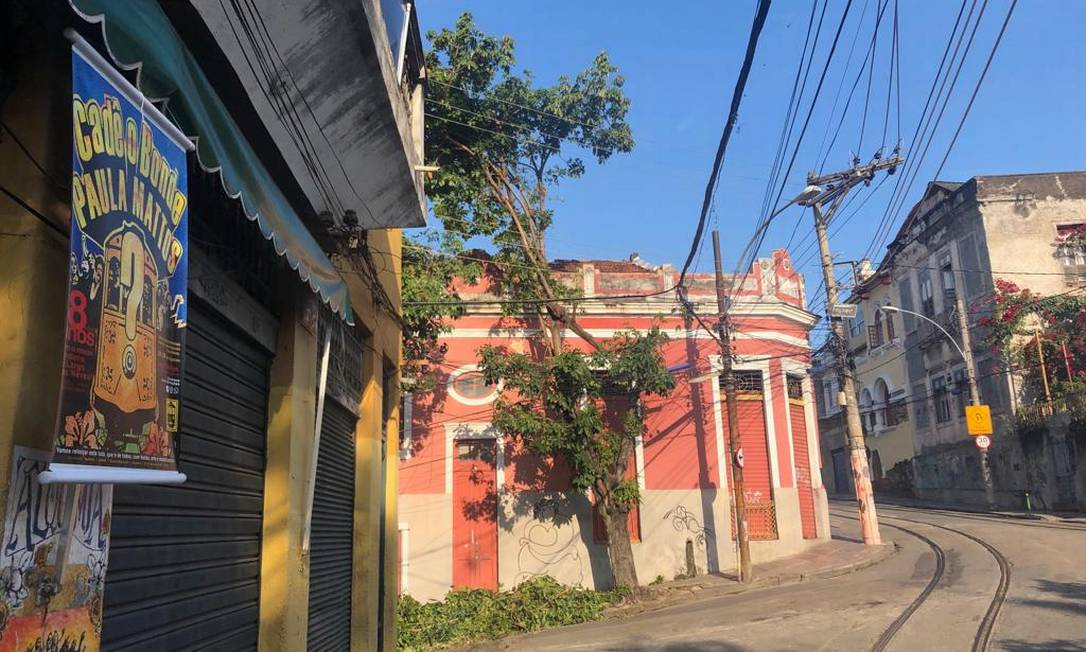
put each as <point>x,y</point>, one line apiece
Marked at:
<point>982,638</point>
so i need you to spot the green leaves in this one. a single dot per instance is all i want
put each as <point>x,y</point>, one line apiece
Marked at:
<point>429,266</point>
<point>476,614</point>
<point>556,406</point>
<point>502,142</point>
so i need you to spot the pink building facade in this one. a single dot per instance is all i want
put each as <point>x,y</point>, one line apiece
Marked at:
<point>477,511</point>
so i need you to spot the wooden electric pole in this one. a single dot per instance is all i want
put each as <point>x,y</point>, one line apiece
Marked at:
<point>735,446</point>
<point>834,187</point>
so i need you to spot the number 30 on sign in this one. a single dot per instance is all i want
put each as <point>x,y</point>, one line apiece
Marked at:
<point>978,420</point>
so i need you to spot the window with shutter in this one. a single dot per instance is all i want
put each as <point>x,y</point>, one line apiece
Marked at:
<point>920,404</point>
<point>1071,252</point>
<point>905,296</point>
<point>927,297</point>
<point>874,333</point>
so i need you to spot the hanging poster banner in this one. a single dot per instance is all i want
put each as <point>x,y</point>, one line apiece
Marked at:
<point>127,284</point>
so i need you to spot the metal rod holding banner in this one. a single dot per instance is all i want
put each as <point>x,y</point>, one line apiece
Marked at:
<point>133,94</point>
<point>311,480</point>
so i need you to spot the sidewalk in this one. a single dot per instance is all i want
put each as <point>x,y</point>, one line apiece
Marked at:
<point>1055,517</point>
<point>824,560</point>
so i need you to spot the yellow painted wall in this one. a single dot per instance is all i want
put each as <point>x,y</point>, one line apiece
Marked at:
<point>888,363</point>
<point>284,569</point>
<point>382,348</point>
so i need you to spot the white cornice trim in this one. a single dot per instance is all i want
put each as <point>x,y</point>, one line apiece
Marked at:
<point>604,333</point>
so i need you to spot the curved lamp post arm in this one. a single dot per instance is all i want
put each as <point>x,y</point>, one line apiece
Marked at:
<point>930,321</point>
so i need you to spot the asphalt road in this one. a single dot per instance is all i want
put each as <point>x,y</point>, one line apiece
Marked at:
<point>958,582</point>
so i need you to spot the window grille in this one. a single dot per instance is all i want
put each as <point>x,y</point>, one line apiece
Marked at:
<point>795,387</point>
<point>748,382</point>
<point>344,359</point>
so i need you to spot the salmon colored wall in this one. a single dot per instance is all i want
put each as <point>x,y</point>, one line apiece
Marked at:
<point>780,421</point>
<point>679,442</point>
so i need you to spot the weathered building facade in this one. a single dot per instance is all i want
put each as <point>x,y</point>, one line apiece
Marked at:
<point>530,522</point>
<point>307,124</point>
<point>959,239</point>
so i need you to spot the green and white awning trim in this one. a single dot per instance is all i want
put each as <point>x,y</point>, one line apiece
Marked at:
<point>140,37</point>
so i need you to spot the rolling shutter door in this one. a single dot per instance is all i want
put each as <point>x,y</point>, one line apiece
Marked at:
<point>184,563</point>
<point>757,481</point>
<point>331,537</point>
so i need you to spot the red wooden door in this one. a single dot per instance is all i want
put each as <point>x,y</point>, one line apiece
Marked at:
<point>803,469</point>
<point>475,514</point>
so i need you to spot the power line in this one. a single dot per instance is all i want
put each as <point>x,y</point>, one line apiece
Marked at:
<point>33,211</point>
<point>733,116</point>
<point>924,112</point>
<point>492,131</point>
<point>514,125</point>
<point>806,123</point>
<point>912,167</point>
<point>868,58</point>
<point>976,89</point>
<point>519,106</point>
<point>792,112</point>
<point>871,73</point>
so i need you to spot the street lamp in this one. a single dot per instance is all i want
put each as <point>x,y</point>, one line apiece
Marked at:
<point>934,323</point>
<point>809,193</point>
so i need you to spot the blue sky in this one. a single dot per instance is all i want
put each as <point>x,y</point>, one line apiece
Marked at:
<point>680,61</point>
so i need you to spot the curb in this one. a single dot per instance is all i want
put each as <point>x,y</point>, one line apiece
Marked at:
<point>967,509</point>
<point>699,592</point>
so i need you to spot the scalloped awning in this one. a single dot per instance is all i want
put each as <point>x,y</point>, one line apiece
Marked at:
<point>139,36</point>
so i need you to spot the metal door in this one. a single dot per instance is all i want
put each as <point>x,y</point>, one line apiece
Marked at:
<point>331,537</point>
<point>803,469</point>
<point>842,472</point>
<point>475,514</point>
<point>184,561</point>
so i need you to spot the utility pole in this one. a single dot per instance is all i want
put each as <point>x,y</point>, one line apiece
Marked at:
<point>835,186</point>
<point>971,375</point>
<point>727,376</point>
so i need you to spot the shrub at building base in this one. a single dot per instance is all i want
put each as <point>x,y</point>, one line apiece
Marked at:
<point>477,614</point>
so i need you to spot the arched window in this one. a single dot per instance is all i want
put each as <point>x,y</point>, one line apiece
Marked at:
<point>867,413</point>
<point>882,398</point>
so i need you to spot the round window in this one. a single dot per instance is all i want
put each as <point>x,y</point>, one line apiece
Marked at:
<point>470,387</point>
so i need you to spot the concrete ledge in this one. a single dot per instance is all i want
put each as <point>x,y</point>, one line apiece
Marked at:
<point>803,567</point>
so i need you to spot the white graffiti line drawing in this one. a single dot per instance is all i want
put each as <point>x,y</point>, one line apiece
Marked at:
<point>682,519</point>
<point>540,548</point>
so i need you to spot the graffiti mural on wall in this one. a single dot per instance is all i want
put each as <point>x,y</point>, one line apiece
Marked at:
<point>53,561</point>
<point>682,519</point>
<point>543,546</point>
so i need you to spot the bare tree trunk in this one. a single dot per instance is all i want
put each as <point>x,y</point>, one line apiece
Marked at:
<point>619,549</point>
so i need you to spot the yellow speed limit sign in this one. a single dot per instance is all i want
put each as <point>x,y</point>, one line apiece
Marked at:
<point>978,420</point>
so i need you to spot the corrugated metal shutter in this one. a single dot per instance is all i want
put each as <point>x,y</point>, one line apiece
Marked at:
<point>184,562</point>
<point>803,470</point>
<point>757,481</point>
<point>331,536</point>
